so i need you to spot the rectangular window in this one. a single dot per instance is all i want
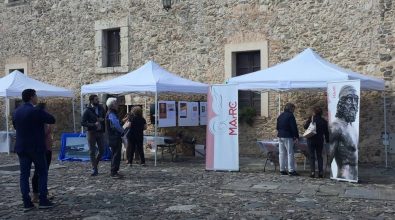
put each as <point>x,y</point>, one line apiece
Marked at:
<point>20,70</point>
<point>113,48</point>
<point>248,62</point>
<point>10,3</point>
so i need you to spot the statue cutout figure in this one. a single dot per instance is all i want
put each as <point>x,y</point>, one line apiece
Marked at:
<point>344,135</point>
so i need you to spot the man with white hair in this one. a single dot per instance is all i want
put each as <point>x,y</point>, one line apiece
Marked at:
<point>114,131</point>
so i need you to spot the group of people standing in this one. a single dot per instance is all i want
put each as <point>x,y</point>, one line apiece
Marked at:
<point>34,141</point>
<point>98,122</point>
<point>288,135</point>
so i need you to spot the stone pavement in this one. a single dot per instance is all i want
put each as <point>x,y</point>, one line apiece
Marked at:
<point>184,190</point>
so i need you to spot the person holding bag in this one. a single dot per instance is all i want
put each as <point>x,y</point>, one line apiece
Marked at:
<point>315,141</point>
<point>127,126</point>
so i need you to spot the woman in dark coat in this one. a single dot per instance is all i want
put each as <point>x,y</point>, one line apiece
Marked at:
<point>316,142</point>
<point>136,134</point>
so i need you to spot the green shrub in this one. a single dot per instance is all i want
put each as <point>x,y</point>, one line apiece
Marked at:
<point>247,115</point>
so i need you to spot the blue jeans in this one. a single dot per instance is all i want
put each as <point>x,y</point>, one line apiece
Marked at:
<point>40,165</point>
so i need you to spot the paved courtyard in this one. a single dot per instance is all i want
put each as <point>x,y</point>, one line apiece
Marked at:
<point>184,190</point>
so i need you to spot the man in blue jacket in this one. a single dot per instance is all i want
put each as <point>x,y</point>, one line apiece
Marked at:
<point>30,146</point>
<point>288,135</point>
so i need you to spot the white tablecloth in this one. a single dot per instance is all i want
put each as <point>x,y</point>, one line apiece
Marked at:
<point>4,146</point>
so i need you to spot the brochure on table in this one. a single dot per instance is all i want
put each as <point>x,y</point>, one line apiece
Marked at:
<point>203,113</point>
<point>188,113</point>
<point>167,114</point>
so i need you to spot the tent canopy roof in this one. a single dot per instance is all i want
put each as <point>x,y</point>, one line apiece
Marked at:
<point>148,78</point>
<point>12,85</point>
<point>307,70</point>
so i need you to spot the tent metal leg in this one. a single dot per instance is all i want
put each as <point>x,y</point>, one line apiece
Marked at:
<point>385,131</point>
<point>73,104</point>
<point>156,125</point>
<point>145,107</point>
<point>82,109</point>
<point>7,110</point>
<point>279,103</point>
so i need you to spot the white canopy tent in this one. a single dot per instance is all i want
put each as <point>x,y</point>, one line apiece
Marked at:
<point>149,78</point>
<point>307,70</point>
<point>12,85</point>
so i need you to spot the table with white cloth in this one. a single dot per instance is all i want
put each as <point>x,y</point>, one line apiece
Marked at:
<point>270,147</point>
<point>7,146</point>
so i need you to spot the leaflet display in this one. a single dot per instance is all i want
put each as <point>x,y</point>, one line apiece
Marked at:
<point>203,113</point>
<point>167,114</point>
<point>188,113</point>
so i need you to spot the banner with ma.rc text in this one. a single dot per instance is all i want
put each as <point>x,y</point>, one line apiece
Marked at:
<point>222,139</point>
<point>343,113</point>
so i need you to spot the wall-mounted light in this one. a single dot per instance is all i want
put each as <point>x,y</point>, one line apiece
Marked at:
<point>166,4</point>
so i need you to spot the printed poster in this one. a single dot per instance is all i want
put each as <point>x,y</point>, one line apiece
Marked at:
<point>167,114</point>
<point>343,113</point>
<point>222,138</point>
<point>183,109</point>
<point>188,113</point>
<point>203,113</point>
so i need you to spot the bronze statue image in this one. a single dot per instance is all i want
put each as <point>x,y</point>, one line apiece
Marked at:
<point>344,135</point>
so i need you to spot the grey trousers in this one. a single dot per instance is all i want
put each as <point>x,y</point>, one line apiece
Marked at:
<point>93,139</point>
<point>286,150</point>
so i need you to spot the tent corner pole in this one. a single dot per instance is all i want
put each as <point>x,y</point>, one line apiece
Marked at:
<point>385,130</point>
<point>82,109</point>
<point>73,105</point>
<point>279,102</point>
<point>156,125</point>
<point>6,121</point>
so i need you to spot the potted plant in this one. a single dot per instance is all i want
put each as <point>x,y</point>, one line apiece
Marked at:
<point>247,115</point>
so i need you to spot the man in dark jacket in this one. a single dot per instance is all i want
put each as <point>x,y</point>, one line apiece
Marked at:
<point>30,146</point>
<point>288,135</point>
<point>93,121</point>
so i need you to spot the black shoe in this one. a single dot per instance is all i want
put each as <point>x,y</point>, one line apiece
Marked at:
<point>28,206</point>
<point>293,173</point>
<point>46,204</point>
<point>143,165</point>
<point>312,175</point>
<point>320,175</point>
<point>283,173</point>
<point>116,176</point>
<point>94,172</point>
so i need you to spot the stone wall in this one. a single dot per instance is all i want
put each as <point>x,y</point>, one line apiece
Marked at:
<point>58,37</point>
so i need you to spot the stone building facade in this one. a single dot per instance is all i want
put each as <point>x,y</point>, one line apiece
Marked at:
<point>63,42</point>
